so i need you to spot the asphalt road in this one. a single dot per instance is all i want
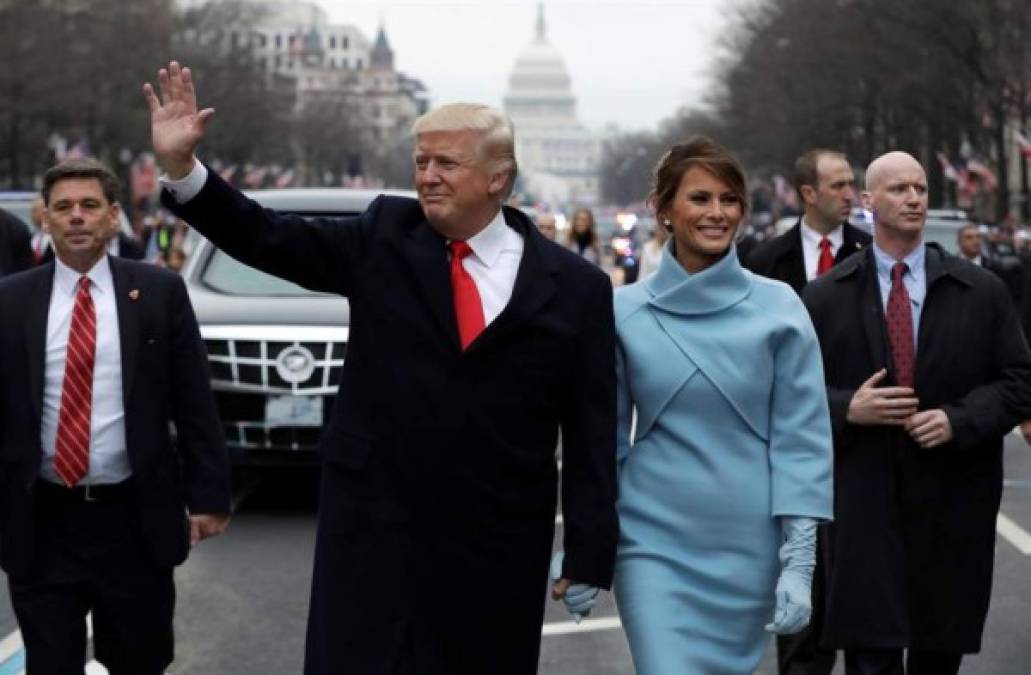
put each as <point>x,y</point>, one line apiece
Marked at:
<point>243,597</point>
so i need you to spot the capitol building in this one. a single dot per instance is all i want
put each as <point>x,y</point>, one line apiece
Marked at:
<point>558,157</point>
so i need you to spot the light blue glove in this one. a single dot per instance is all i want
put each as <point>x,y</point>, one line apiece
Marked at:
<point>794,587</point>
<point>579,598</point>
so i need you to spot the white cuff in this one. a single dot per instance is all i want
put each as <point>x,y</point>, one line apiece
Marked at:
<point>185,189</point>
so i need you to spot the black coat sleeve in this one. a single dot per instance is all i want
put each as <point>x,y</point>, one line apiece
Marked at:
<point>589,448</point>
<point>318,253</point>
<point>990,410</point>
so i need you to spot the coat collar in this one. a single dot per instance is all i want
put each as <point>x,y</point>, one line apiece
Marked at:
<point>129,302</point>
<point>534,285</point>
<point>675,291</point>
<point>38,303</point>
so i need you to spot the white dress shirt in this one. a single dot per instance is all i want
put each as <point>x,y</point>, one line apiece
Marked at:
<point>108,460</point>
<point>811,246</point>
<point>187,187</point>
<point>493,264</point>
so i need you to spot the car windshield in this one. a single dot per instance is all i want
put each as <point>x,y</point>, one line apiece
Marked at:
<point>943,234</point>
<point>227,275</point>
<point>224,274</point>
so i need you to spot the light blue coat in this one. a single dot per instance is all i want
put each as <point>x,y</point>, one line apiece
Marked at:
<point>723,370</point>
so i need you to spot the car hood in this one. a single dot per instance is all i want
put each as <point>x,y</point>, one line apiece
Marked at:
<point>315,310</point>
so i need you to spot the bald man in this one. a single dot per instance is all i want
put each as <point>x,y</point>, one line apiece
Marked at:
<point>546,225</point>
<point>921,396</point>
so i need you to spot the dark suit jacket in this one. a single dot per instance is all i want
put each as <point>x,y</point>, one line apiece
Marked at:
<point>910,551</point>
<point>782,257</point>
<point>165,380</point>
<point>439,490</point>
<point>15,245</point>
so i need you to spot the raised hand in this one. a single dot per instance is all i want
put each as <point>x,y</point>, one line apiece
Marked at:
<point>176,126</point>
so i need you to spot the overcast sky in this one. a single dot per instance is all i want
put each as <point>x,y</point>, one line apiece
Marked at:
<point>632,63</point>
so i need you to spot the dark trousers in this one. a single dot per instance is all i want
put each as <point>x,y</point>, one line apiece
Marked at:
<point>91,557</point>
<point>889,662</point>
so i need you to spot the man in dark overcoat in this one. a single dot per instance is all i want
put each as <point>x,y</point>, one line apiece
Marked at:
<point>927,371</point>
<point>822,238</point>
<point>473,340</point>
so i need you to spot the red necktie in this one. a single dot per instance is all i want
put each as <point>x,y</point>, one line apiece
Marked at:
<point>468,308</point>
<point>900,328</point>
<point>826,258</point>
<point>71,459</point>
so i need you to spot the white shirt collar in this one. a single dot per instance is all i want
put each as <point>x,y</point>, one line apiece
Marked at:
<point>812,237</point>
<point>489,243</point>
<point>67,280</point>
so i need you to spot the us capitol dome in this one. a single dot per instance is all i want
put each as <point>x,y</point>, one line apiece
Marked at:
<point>558,157</point>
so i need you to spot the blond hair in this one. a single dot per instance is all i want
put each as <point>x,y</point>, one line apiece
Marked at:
<point>497,135</point>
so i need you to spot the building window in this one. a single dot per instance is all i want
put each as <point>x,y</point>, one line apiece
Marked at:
<point>332,41</point>
<point>279,61</point>
<point>343,42</point>
<point>343,63</point>
<point>358,64</point>
<point>279,41</point>
<point>332,63</point>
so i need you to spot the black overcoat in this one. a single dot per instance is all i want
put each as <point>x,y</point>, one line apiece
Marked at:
<point>910,552</point>
<point>439,482</point>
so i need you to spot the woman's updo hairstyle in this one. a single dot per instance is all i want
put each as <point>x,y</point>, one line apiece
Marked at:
<point>696,151</point>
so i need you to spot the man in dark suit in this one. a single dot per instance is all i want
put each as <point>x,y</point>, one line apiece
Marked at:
<point>473,341</point>
<point>823,236</point>
<point>97,503</point>
<point>15,245</point>
<point>920,402</point>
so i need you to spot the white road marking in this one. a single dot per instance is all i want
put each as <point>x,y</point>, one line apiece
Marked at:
<point>558,519</point>
<point>10,645</point>
<point>585,626</point>
<point>1013,533</point>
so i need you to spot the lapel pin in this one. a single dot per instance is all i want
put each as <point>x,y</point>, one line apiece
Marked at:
<point>134,294</point>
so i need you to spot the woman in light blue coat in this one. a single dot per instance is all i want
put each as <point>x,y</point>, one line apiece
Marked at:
<point>724,448</point>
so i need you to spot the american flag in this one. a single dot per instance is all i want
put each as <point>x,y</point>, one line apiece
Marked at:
<point>987,176</point>
<point>285,179</point>
<point>1024,143</point>
<point>948,170</point>
<point>255,177</point>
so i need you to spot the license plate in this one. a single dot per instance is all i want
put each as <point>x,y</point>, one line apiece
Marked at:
<point>293,411</point>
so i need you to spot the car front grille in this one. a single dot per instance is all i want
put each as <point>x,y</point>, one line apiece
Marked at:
<point>250,364</point>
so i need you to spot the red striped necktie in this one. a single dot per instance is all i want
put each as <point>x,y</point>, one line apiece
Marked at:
<point>71,458</point>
